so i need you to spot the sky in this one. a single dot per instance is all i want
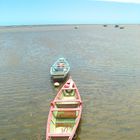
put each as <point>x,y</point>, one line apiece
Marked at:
<point>34,12</point>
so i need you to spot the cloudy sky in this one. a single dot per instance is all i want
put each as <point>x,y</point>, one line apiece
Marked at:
<point>30,12</point>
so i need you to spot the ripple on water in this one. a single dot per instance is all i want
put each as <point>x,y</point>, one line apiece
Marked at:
<point>104,64</point>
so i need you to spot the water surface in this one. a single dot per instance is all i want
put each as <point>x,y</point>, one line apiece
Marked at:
<point>105,64</point>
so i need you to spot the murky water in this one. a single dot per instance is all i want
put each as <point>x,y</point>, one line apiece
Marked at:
<point>105,64</point>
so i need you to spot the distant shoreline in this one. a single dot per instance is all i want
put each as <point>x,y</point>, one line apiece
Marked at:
<point>62,27</point>
<point>42,25</point>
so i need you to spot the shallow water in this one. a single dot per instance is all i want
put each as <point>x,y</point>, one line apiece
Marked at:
<point>105,64</point>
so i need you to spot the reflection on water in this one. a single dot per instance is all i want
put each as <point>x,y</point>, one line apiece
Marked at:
<point>105,65</point>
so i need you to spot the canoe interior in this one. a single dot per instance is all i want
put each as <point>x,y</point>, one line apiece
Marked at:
<point>60,67</point>
<point>67,94</point>
<point>59,138</point>
<point>62,122</point>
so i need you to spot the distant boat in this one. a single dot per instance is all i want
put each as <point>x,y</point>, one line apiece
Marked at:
<point>121,27</point>
<point>105,25</point>
<point>65,113</point>
<point>116,26</point>
<point>76,27</point>
<point>60,69</point>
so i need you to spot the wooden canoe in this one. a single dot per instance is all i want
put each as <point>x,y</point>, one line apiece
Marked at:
<point>60,69</point>
<point>65,113</point>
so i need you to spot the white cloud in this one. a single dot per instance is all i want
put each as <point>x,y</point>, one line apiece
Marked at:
<point>123,1</point>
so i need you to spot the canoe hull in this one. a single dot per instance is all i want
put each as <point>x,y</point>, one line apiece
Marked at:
<point>59,77</point>
<point>65,113</point>
<point>60,69</point>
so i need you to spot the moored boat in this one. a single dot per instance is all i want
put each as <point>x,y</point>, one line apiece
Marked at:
<point>60,69</point>
<point>65,113</point>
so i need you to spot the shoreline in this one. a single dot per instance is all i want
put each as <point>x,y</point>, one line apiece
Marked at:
<point>44,25</point>
<point>67,27</point>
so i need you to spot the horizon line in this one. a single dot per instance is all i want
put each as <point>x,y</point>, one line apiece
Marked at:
<point>75,24</point>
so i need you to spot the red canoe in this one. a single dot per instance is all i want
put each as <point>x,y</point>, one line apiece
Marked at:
<point>65,113</point>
